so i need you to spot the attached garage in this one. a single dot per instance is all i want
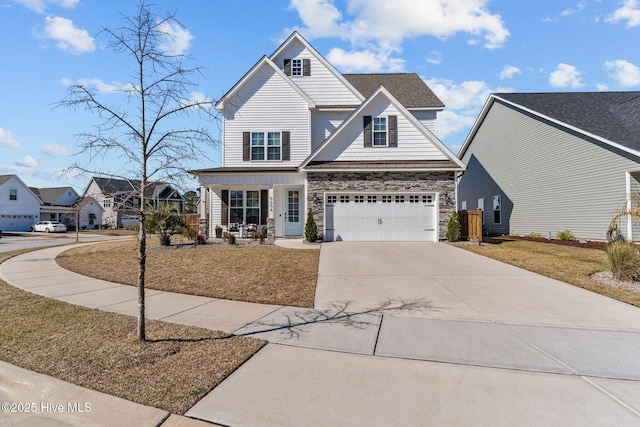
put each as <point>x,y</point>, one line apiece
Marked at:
<point>382,216</point>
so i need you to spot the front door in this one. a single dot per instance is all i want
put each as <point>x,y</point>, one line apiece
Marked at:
<point>292,217</point>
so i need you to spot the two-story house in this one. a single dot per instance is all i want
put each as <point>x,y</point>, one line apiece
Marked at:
<point>115,203</point>
<point>57,204</point>
<point>359,150</point>
<point>19,206</point>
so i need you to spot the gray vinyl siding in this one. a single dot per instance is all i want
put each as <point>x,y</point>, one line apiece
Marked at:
<point>550,178</point>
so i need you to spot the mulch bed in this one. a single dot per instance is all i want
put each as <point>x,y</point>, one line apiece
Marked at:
<point>588,244</point>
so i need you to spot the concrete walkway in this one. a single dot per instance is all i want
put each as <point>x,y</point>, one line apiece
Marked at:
<point>402,334</point>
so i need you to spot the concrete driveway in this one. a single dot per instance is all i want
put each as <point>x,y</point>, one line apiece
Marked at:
<point>430,334</point>
<point>441,281</point>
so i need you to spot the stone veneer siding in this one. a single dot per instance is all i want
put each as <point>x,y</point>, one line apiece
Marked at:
<point>328,182</point>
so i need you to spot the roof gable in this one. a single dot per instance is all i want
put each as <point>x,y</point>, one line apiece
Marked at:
<point>296,43</point>
<point>263,62</point>
<point>51,195</point>
<point>349,131</point>
<point>611,117</point>
<point>7,178</point>
<point>408,88</point>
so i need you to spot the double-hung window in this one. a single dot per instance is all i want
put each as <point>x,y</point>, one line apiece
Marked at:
<point>257,145</point>
<point>273,146</point>
<point>379,131</point>
<point>244,207</point>
<point>266,146</point>
<point>13,194</point>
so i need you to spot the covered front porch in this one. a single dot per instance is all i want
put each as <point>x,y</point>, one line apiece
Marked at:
<point>266,200</point>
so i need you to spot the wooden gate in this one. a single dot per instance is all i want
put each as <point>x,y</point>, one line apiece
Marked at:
<point>471,224</point>
<point>193,221</point>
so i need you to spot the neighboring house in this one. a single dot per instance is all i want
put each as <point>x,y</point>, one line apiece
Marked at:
<point>115,203</point>
<point>19,206</point>
<point>57,204</point>
<point>360,151</point>
<point>546,162</point>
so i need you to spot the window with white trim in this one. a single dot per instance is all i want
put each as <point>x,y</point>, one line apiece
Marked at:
<point>358,199</point>
<point>344,199</point>
<point>13,194</point>
<point>387,199</point>
<point>372,199</point>
<point>497,203</point>
<point>331,199</point>
<point>296,67</point>
<point>266,146</point>
<point>379,131</point>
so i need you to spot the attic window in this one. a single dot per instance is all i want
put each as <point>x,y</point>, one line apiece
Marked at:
<point>296,67</point>
<point>379,131</point>
<point>13,194</point>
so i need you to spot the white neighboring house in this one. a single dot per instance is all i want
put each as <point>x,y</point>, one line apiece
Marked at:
<point>359,150</point>
<point>114,203</point>
<point>57,204</point>
<point>19,206</point>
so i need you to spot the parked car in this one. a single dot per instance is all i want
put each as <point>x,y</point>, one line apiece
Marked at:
<point>49,227</point>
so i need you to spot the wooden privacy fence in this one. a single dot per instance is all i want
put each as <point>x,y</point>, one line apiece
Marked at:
<point>471,224</point>
<point>193,221</point>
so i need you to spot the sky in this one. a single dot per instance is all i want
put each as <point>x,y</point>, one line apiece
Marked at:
<point>463,49</point>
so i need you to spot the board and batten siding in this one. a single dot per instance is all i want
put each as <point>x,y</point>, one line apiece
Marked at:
<point>266,103</point>
<point>349,144</point>
<point>549,178</point>
<point>323,86</point>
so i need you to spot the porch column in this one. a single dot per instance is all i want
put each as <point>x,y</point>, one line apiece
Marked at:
<point>203,227</point>
<point>629,206</point>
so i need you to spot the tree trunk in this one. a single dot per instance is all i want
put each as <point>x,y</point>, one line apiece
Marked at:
<point>142,260</point>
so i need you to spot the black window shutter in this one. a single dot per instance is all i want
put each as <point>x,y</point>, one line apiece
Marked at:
<point>393,131</point>
<point>264,206</point>
<point>287,67</point>
<point>225,207</point>
<point>306,67</point>
<point>368,134</point>
<point>246,146</point>
<point>286,144</point>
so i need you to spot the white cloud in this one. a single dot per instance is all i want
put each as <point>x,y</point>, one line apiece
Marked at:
<point>55,150</point>
<point>566,76</point>
<point>177,39</point>
<point>579,8</point>
<point>463,103</point>
<point>67,37</point>
<point>469,94</point>
<point>377,28</point>
<point>40,5</point>
<point>629,12</point>
<point>435,58</point>
<point>27,162</point>
<point>98,84</point>
<point>364,61</point>
<point>602,87</point>
<point>624,72</point>
<point>6,140</point>
<point>508,72</point>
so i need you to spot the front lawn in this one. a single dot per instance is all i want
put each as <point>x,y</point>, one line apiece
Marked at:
<point>567,263</point>
<point>263,274</point>
<point>99,350</point>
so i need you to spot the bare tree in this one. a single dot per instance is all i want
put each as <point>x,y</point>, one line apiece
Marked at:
<point>143,129</point>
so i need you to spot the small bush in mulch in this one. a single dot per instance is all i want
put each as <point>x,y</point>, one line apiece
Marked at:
<point>589,244</point>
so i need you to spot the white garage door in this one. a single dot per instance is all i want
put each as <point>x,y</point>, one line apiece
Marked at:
<point>381,217</point>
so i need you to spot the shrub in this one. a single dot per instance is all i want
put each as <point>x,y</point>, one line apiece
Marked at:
<point>310,228</point>
<point>232,239</point>
<point>535,235</point>
<point>453,228</point>
<point>564,235</point>
<point>623,260</point>
<point>200,240</point>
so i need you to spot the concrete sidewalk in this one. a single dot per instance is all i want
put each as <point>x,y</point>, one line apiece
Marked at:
<point>414,333</point>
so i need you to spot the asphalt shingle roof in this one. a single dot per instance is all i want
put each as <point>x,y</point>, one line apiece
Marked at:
<point>49,195</point>
<point>408,88</point>
<point>614,116</point>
